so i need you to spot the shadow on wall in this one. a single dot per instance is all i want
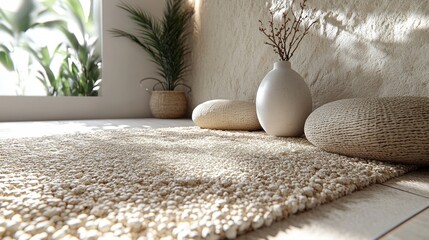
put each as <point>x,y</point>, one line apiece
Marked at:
<point>359,49</point>
<point>368,49</point>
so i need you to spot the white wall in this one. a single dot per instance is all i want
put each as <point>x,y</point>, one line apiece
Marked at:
<point>124,64</point>
<point>359,49</point>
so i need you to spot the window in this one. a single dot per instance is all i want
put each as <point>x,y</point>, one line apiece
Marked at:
<point>50,48</point>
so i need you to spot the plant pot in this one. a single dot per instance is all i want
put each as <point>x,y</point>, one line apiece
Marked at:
<point>168,104</point>
<point>283,101</point>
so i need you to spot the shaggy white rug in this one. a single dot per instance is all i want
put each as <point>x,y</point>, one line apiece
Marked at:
<point>176,183</point>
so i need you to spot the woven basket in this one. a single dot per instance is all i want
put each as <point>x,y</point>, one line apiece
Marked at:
<point>388,129</point>
<point>168,104</point>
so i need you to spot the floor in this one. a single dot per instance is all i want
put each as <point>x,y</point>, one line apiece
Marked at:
<point>397,209</point>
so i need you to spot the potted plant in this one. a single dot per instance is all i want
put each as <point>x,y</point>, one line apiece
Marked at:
<point>166,43</point>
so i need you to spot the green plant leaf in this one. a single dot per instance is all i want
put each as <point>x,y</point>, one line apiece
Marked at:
<point>73,41</point>
<point>49,24</point>
<point>41,77</point>
<point>5,58</point>
<point>5,28</point>
<point>76,10</point>
<point>66,89</point>
<point>49,4</point>
<point>4,16</point>
<point>46,57</point>
<point>22,18</point>
<point>5,23</point>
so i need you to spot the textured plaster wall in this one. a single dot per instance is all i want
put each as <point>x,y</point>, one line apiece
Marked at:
<point>358,49</point>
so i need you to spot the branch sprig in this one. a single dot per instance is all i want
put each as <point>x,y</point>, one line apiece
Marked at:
<point>285,37</point>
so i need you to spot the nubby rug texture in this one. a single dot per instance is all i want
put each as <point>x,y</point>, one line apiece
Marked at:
<point>176,183</point>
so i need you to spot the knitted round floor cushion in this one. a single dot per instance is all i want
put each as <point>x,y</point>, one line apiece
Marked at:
<point>388,129</point>
<point>224,114</point>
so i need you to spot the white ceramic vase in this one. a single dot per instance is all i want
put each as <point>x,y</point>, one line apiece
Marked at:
<point>283,101</point>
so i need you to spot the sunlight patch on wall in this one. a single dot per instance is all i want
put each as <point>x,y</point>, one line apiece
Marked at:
<point>197,4</point>
<point>412,22</point>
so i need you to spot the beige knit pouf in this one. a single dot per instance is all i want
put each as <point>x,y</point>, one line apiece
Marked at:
<point>389,129</point>
<point>224,114</point>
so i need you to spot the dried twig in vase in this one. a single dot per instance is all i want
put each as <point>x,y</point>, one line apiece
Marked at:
<point>286,36</point>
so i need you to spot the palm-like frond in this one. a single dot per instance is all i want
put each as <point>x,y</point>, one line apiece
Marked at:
<point>5,23</point>
<point>165,42</point>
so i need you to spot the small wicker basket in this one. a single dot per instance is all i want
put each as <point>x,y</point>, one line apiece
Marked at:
<point>168,104</point>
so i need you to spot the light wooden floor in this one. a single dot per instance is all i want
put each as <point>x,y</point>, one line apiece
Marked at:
<point>397,209</point>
